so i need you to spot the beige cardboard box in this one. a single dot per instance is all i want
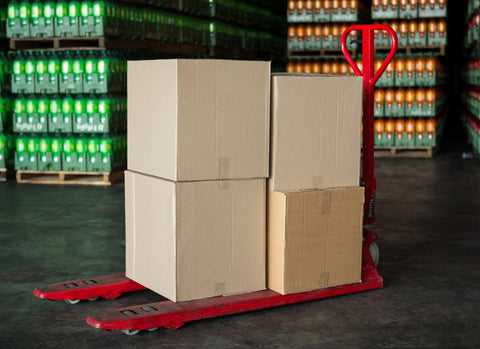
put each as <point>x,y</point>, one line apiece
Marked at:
<point>191,240</point>
<point>314,239</point>
<point>199,119</point>
<point>315,135</point>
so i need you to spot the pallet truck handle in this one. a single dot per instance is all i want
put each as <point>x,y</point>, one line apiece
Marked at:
<point>369,79</point>
<point>367,29</point>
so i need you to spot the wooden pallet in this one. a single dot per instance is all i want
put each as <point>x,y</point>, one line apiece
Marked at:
<point>73,178</point>
<point>437,50</point>
<point>6,173</point>
<point>105,42</point>
<point>324,53</point>
<point>405,152</point>
<point>57,43</point>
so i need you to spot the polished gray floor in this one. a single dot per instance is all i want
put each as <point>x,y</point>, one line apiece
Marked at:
<point>428,220</point>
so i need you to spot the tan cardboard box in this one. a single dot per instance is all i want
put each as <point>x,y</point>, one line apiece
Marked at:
<point>315,135</point>
<point>199,119</point>
<point>191,240</point>
<point>314,239</point>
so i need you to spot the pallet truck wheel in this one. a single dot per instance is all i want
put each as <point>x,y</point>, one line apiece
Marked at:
<point>130,332</point>
<point>72,301</point>
<point>153,329</point>
<point>93,299</point>
<point>374,252</point>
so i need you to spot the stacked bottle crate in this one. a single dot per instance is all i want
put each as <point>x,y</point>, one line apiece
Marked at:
<point>239,25</point>
<point>251,26</point>
<point>3,19</point>
<point>7,138</point>
<point>410,101</point>
<point>419,23</point>
<point>470,94</point>
<point>69,110</point>
<point>315,28</point>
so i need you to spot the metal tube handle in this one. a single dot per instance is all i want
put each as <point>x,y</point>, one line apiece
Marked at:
<point>367,29</point>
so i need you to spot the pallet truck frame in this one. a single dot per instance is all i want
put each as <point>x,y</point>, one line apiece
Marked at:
<point>171,315</point>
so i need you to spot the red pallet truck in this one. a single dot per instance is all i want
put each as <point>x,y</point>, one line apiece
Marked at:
<point>171,315</point>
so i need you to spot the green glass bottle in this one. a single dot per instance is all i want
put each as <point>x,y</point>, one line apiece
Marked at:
<point>91,108</point>
<point>57,147</point>
<point>13,15</point>
<point>30,71</point>
<point>54,109</point>
<point>18,73</point>
<point>19,109</point>
<point>37,18</point>
<point>68,144</point>
<point>90,67</point>
<point>32,149</point>
<point>43,109</point>
<point>25,11</point>
<point>32,110</point>
<point>53,68</point>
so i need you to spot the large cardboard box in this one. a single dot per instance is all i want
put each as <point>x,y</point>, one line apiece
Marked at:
<point>314,239</point>
<point>316,130</point>
<point>199,119</point>
<point>191,240</point>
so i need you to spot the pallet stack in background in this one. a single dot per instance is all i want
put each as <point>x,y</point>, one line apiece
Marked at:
<point>69,111</point>
<point>244,29</point>
<point>68,68</point>
<point>410,100</point>
<point>7,137</point>
<point>315,29</point>
<point>470,94</point>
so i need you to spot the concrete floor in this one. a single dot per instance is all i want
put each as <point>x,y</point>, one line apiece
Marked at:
<point>428,220</point>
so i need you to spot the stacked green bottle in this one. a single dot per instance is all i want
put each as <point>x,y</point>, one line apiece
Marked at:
<point>68,72</point>
<point>5,72</point>
<point>3,19</point>
<point>7,149</point>
<point>18,19</point>
<point>5,112</point>
<point>26,152</point>
<point>148,20</point>
<point>67,18</point>
<point>48,160</point>
<point>106,153</point>
<point>60,117</point>
<point>72,73</point>
<point>41,18</point>
<point>27,117</point>
<point>70,104</point>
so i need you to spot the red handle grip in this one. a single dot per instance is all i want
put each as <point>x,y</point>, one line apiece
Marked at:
<point>366,32</point>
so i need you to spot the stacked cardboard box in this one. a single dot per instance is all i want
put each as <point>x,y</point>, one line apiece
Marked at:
<point>315,204</point>
<point>198,133</point>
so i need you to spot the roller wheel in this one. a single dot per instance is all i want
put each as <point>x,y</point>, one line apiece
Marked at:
<point>153,329</point>
<point>130,332</point>
<point>72,301</point>
<point>93,299</point>
<point>374,252</point>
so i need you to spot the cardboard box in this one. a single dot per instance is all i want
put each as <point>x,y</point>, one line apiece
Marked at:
<point>199,119</point>
<point>314,239</point>
<point>191,240</point>
<point>316,130</point>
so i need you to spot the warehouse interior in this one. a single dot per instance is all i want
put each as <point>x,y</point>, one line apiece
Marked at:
<point>426,219</point>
